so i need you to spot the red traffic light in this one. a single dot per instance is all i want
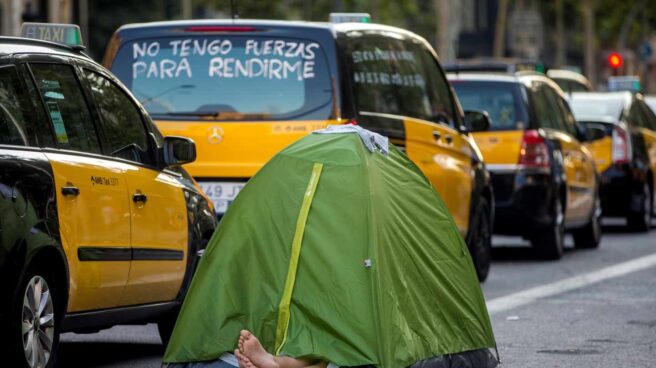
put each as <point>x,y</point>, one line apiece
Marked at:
<point>615,60</point>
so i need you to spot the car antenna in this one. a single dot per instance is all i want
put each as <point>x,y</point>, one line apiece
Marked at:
<point>233,9</point>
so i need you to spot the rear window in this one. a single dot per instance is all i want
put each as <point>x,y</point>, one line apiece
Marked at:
<point>227,78</point>
<point>590,109</point>
<point>569,85</point>
<point>503,101</point>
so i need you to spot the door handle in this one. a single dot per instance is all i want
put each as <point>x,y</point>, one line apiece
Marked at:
<point>139,197</point>
<point>437,135</point>
<point>70,191</point>
<point>448,138</point>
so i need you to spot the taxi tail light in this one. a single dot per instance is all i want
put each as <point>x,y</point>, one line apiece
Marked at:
<point>534,151</point>
<point>621,150</point>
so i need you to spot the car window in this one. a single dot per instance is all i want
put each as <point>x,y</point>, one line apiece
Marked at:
<point>393,76</point>
<point>503,101</point>
<point>544,112</point>
<point>68,110</point>
<point>438,89</point>
<point>122,122</point>
<point>12,104</point>
<point>556,109</point>
<point>636,116</point>
<point>39,123</point>
<point>228,76</point>
<point>648,116</point>
<point>565,117</point>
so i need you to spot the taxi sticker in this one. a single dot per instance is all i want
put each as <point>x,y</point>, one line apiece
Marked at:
<point>58,122</point>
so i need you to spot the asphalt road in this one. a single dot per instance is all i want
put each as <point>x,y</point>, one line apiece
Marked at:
<point>593,308</point>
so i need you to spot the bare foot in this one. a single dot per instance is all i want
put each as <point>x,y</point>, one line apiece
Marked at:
<point>253,350</point>
<point>244,362</point>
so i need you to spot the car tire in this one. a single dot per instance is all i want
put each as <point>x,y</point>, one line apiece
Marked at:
<point>165,327</point>
<point>32,333</point>
<point>549,244</point>
<point>589,236</point>
<point>480,240</point>
<point>640,220</point>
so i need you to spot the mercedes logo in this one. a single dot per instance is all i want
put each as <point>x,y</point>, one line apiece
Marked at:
<point>215,135</point>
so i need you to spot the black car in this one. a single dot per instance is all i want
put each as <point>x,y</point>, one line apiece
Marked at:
<point>99,224</point>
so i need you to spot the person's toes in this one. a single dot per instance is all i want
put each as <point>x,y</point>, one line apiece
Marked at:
<point>245,334</point>
<point>240,359</point>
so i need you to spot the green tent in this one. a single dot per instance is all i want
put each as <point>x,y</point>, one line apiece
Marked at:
<point>340,253</point>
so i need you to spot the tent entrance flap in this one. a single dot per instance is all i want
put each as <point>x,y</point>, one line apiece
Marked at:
<point>283,308</point>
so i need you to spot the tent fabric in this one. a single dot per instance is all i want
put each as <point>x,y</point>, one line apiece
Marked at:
<point>383,276</point>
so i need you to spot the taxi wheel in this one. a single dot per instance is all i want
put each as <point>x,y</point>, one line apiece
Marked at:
<point>641,220</point>
<point>480,242</point>
<point>34,332</point>
<point>549,244</point>
<point>589,236</point>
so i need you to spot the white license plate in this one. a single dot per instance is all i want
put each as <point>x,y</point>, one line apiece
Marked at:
<point>221,193</point>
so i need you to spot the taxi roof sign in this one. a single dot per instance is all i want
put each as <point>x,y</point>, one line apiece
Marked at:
<point>67,34</point>
<point>350,18</point>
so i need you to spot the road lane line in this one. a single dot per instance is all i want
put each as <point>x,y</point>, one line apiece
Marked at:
<point>528,296</point>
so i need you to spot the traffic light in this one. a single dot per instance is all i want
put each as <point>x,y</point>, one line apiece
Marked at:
<point>615,60</point>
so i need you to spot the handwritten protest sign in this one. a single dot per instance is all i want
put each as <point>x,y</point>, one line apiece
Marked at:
<point>222,58</point>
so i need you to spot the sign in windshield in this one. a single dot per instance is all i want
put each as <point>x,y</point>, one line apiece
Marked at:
<point>228,78</point>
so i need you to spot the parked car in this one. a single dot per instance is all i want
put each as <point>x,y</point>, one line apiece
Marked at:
<point>623,129</point>
<point>99,224</point>
<point>245,89</point>
<point>544,178</point>
<point>570,81</point>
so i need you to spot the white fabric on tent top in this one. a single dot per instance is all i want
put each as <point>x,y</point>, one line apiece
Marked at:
<point>373,141</point>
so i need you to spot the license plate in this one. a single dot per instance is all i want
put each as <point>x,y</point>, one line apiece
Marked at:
<point>221,193</point>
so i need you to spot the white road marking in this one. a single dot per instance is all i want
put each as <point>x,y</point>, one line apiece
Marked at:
<point>528,296</point>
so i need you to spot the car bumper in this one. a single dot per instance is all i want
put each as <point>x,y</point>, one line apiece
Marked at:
<point>619,185</point>
<point>522,201</point>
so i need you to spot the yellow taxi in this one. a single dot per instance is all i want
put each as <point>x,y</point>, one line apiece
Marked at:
<point>544,177</point>
<point>623,142</point>
<point>245,89</point>
<point>99,224</point>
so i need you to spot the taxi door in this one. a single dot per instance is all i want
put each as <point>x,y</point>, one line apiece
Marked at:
<point>577,160</point>
<point>158,214</point>
<point>648,130</point>
<point>92,205</point>
<point>444,156</point>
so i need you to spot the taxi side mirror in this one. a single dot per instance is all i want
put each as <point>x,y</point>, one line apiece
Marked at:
<point>178,151</point>
<point>477,120</point>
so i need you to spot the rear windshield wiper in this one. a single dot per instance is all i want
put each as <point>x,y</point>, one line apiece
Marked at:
<point>208,114</point>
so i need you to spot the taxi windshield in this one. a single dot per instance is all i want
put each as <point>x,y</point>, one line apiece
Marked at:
<point>227,78</point>
<point>502,100</point>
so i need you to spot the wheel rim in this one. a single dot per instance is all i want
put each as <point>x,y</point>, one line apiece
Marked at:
<point>38,322</point>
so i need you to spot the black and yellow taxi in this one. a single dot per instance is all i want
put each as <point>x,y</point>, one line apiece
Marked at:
<point>624,149</point>
<point>544,177</point>
<point>99,224</point>
<point>245,89</point>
